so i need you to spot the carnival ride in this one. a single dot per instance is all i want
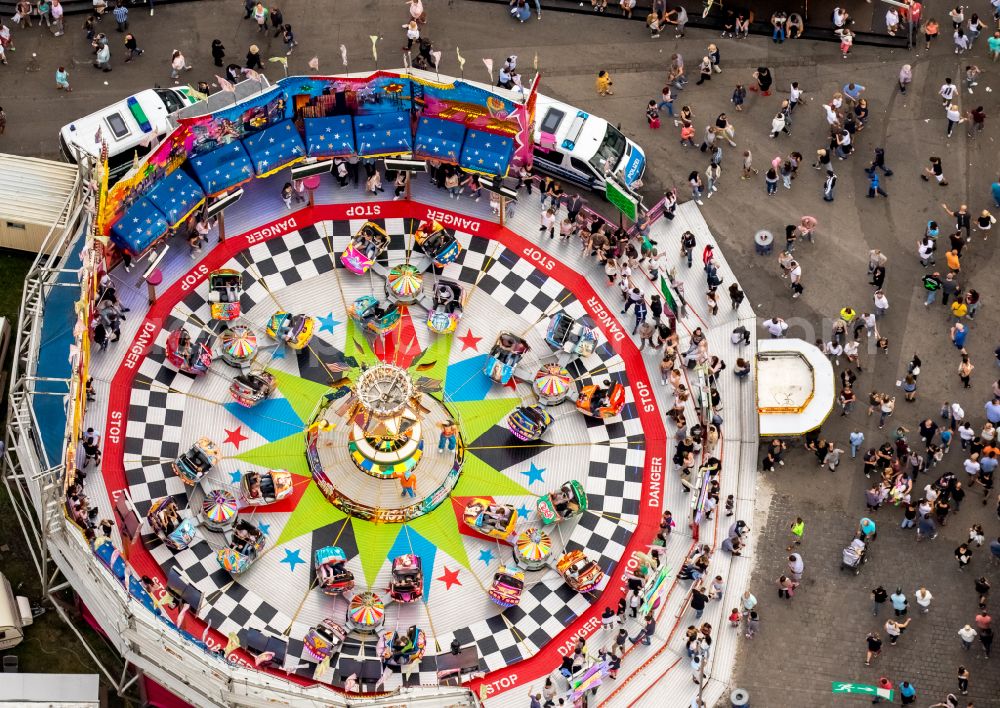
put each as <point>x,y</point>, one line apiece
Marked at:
<point>407,581</point>
<point>331,574</point>
<point>367,244</point>
<point>528,423</point>
<point>437,243</point>
<point>249,389</point>
<point>244,548</point>
<point>580,573</point>
<point>507,585</point>
<point>225,286</point>
<point>570,336</point>
<point>177,532</point>
<point>533,549</point>
<point>504,357</point>
<point>552,384</point>
<point>374,317</point>
<point>194,464</point>
<point>604,401</point>
<point>566,502</point>
<point>493,520</point>
<point>446,307</point>
<point>404,284</point>
<point>366,613</point>
<point>294,330</point>
<point>189,356</point>
<point>238,345</point>
<point>219,510</point>
<point>260,488</point>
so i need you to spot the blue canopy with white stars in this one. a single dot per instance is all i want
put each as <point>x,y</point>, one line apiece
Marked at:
<point>176,195</point>
<point>140,227</point>
<point>382,134</point>
<point>439,139</point>
<point>222,168</point>
<point>487,153</point>
<point>330,137</point>
<point>274,147</point>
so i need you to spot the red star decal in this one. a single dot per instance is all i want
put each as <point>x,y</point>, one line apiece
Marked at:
<point>235,436</point>
<point>450,578</point>
<point>470,342</point>
<point>511,383</point>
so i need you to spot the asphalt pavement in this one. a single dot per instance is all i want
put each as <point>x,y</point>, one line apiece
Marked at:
<point>819,636</point>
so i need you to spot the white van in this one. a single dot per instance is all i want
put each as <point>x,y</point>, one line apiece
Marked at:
<point>15,614</point>
<point>575,146</point>
<point>129,127</point>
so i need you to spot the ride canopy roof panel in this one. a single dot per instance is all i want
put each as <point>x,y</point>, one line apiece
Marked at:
<point>274,147</point>
<point>331,136</point>
<point>487,153</point>
<point>439,139</point>
<point>176,195</point>
<point>222,168</point>
<point>381,134</point>
<point>142,225</point>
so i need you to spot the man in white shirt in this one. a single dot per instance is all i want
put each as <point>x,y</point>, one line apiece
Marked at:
<point>947,92</point>
<point>776,327</point>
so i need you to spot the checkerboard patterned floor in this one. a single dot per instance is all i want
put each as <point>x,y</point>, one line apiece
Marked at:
<point>301,272</point>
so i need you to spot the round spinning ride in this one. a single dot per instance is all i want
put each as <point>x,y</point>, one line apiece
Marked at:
<point>385,435</point>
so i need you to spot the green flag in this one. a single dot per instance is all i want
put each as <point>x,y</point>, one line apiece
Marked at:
<point>668,296</point>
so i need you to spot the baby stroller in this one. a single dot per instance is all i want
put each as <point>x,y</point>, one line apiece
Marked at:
<point>855,555</point>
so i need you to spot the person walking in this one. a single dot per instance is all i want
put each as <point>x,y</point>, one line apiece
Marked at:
<point>131,47</point>
<point>177,65</point>
<point>603,83</point>
<point>874,647</point>
<point>879,597</point>
<point>899,603</point>
<point>935,170</point>
<point>968,635</point>
<point>797,529</point>
<point>963,680</point>
<point>62,79</point>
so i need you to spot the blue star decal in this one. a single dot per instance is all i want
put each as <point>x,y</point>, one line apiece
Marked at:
<point>534,474</point>
<point>292,558</point>
<point>266,529</point>
<point>523,512</point>
<point>278,353</point>
<point>327,322</point>
<point>236,476</point>
<point>486,556</point>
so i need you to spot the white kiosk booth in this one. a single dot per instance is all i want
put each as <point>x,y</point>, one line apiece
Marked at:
<point>795,386</point>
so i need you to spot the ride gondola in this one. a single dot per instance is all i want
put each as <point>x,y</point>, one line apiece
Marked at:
<point>225,286</point>
<point>566,502</point>
<point>194,464</point>
<point>250,389</point>
<point>571,336</point>
<point>323,640</point>
<point>331,574</point>
<point>399,649</point>
<point>372,316</point>
<point>604,401</point>
<point>579,572</point>
<point>508,583</point>
<point>504,357</point>
<point>407,581</point>
<point>490,519</point>
<point>528,423</point>
<point>189,356</point>
<point>446,307</point>
<point>437,243</point>
<point>244,548</point>
<point>294,330</point>
<point>260,488</point>
<point>164,517</point>
<point>368,243</point>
